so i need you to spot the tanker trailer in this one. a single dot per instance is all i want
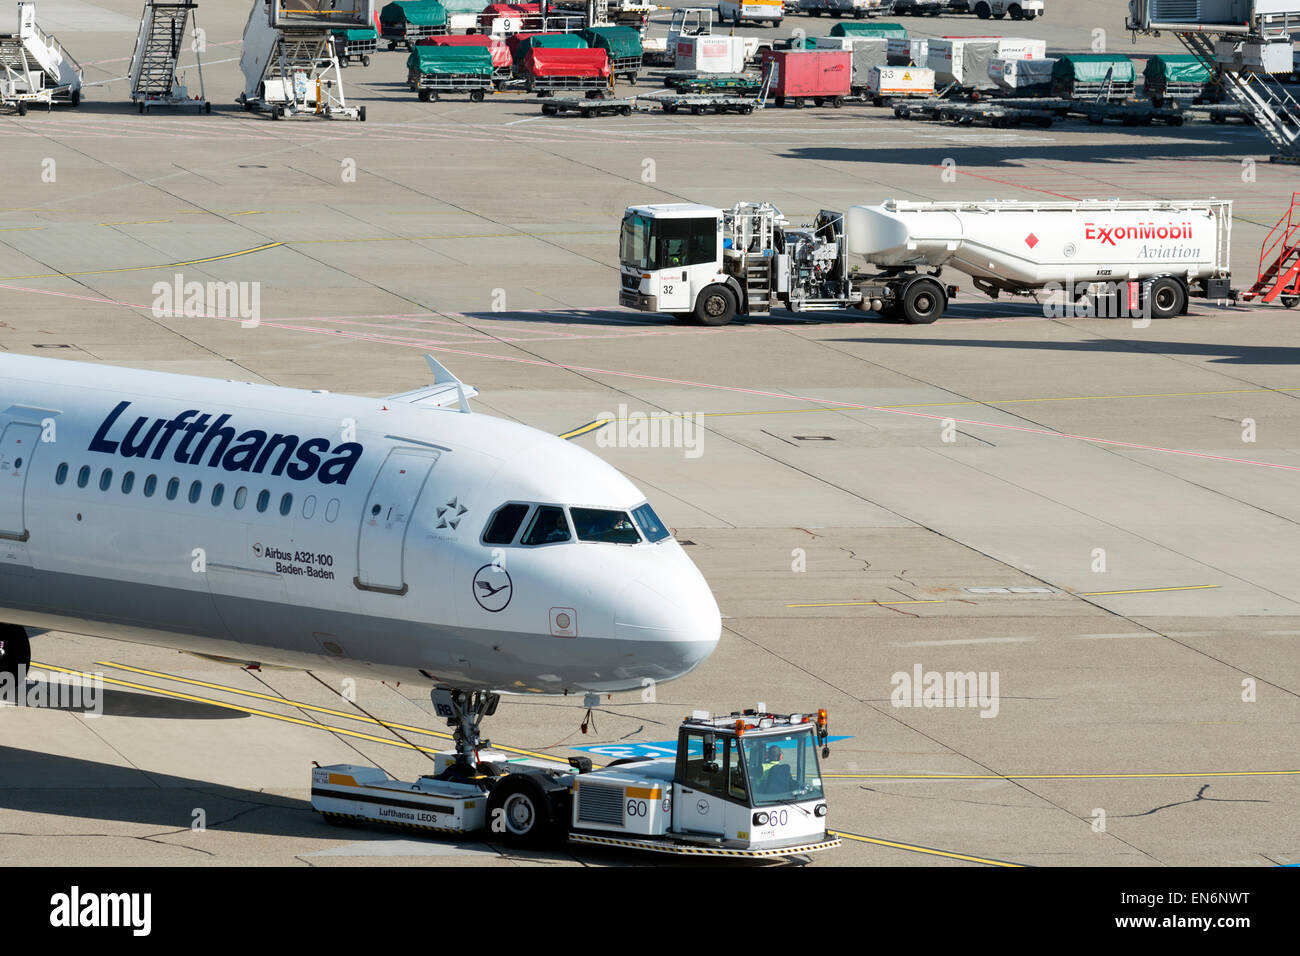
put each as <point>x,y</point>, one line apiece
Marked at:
<point>1151,254</point>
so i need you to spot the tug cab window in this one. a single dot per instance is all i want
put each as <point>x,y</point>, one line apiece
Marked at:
<point>609,527</point>
<point>504,524</point>
<point>547,527</point>
<point>724,777</point>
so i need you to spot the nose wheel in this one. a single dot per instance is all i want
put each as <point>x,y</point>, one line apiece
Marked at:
<point>464,711</point>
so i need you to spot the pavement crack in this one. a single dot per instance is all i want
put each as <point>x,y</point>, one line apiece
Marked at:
<point>1199,798</point>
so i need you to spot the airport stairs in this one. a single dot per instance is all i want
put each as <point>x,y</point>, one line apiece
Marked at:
<point>1279,261</point>
<point>1275,111</point>
<point>158,49</point>
<point>32,60</point>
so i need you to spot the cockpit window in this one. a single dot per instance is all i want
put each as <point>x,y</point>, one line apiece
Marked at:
<point>501,529</point>
<point>610,527</point>
<point>649,522</point>
<point>548,526</point>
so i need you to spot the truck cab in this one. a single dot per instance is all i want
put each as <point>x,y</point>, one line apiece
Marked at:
<point>747,784</point>
<point>668,254</point>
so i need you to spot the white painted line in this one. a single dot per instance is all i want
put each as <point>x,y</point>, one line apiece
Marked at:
<point>1084,637</point>
<point>972,640</point>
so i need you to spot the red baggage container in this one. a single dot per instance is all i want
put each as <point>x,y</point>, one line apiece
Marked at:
<point>550,61</point>
<point>817,74</point>
<point>500,52</point>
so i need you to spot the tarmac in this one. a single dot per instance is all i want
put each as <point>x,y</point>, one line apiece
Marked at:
<point>1101,517</point>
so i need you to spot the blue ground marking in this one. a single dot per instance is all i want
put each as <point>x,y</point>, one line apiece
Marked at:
<point>658,748</point>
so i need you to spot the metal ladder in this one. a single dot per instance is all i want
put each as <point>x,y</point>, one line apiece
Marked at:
<point>158,48</point>
<point>1276,112</point>
<point>1279,260</point>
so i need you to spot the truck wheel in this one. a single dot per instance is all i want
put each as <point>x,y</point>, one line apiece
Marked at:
<point>982,10</point>
<point>1290,301</point>
<point>517,808</point>
<point>15,650</point>
<point>715,306</point>
<point>1016,12</point>
<point>424,96</point>
<point>779,101</point>
<point>1167,298</point>
<point>476,96</point>
<point>923,301</point>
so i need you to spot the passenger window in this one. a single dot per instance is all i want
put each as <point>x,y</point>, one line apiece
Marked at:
<point>309,506</point>
<point>504,524</point>
<point>332,510</point>
<point>106,479</point>
<point>263,499</point>
<point>173,486</point>
<point>150,485</point>
<point>286,504</point>
<point>609,527</point>
<point>196,492</point>
<point>83,476</point>
<point>218,492</point>
<point>548,526</point>
<point>128,482</point>
<point>61,474</point>
<point>241,496</point>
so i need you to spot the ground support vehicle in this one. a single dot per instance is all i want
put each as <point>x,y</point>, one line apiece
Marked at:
<point>995,114</point>
<point>964,62</point>
<point>1020,77</point>
<point>437,70</point>
<point>403,22</point>
<point>1128,114</point>
<point>800,77</point>
<point>898,82</point>
<point>710,264</point>
<point>744,786</point>
<point>866,54</point>
<point>698,105</point>
<point>502,62</point>
<point>733,84</point>
<point>1175,76</point>
<point>857,9</point>
<point>352,45</point>
<point>289,64</point>
<point>920,8</point>
<point>761,13</point>
<point>997,9</point>
<point>158,46</point>
<point>548,71</point>
<point>623,47</point>
<point>35,68</point>
<point>586,108</point>
<point>1093,76</point>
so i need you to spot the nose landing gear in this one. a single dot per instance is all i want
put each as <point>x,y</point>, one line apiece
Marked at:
<point>464,711</point>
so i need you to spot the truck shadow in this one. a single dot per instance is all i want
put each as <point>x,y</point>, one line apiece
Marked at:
<point>1216,352</point>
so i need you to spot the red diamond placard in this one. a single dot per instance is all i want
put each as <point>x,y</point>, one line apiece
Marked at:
<point>1031,240</point>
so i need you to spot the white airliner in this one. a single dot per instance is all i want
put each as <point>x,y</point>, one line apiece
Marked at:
<point>401,536</point>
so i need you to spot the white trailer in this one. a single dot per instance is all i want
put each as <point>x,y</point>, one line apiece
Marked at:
<point>858,9</point>
<point>758,12</point>
<point>1025,77</point>
<point>892,82</point>
<point>964,61</point>
<point>745,786</point>
<point>689,260</point>
<point>997,9</point>
<point>289,63</point>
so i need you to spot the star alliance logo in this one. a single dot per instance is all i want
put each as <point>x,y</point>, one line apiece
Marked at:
<point>449,515</point>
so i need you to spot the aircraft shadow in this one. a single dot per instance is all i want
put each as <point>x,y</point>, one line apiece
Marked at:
<point>116,703</point>
<point>1219,353</point>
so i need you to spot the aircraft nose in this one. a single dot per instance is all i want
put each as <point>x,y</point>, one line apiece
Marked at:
<point>677,613</point>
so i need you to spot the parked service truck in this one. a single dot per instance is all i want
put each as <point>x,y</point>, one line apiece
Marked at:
<point>694,261</point>
<point>747,785</point>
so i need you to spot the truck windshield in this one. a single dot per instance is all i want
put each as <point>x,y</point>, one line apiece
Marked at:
<point>634,248</point>
<point>783,769</point>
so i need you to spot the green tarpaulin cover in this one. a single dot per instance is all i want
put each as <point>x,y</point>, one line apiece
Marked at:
<point>616,41</point>
<point>451,59</point>
<point>868,30</point>
<point>464,6</point>
<point>549,41</point>
<point>427,13</point>
<point>354,36</point>
<point>1093,67</point>
<point>1176,68</point>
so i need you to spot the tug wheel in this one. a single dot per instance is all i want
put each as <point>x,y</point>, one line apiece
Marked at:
<point>518,810</point>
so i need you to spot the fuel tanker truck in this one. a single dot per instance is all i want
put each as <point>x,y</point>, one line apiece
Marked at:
<point>1108,257</point>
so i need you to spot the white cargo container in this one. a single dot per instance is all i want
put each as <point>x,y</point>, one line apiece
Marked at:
<point>710,54</point>
<point>965,60</point>
<point>867,53</point>
<point>903,51</point>
<point>1022,76</point>
<point>899,81</point>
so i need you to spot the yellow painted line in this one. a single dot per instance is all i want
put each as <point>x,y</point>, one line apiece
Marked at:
<point>1191,587</point>
<point>589,427</point>
<point>171,265</point>
<point>176,695</point>
<point>24,229</point>
<point>868,603</point>
<point>1059,776</point>
<point>930,851</point>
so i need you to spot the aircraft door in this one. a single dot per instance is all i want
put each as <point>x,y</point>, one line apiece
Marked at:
<point>389,506</point>
<point>17,444</point>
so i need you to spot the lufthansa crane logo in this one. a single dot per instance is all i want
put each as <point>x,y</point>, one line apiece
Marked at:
<point>492,588</point>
